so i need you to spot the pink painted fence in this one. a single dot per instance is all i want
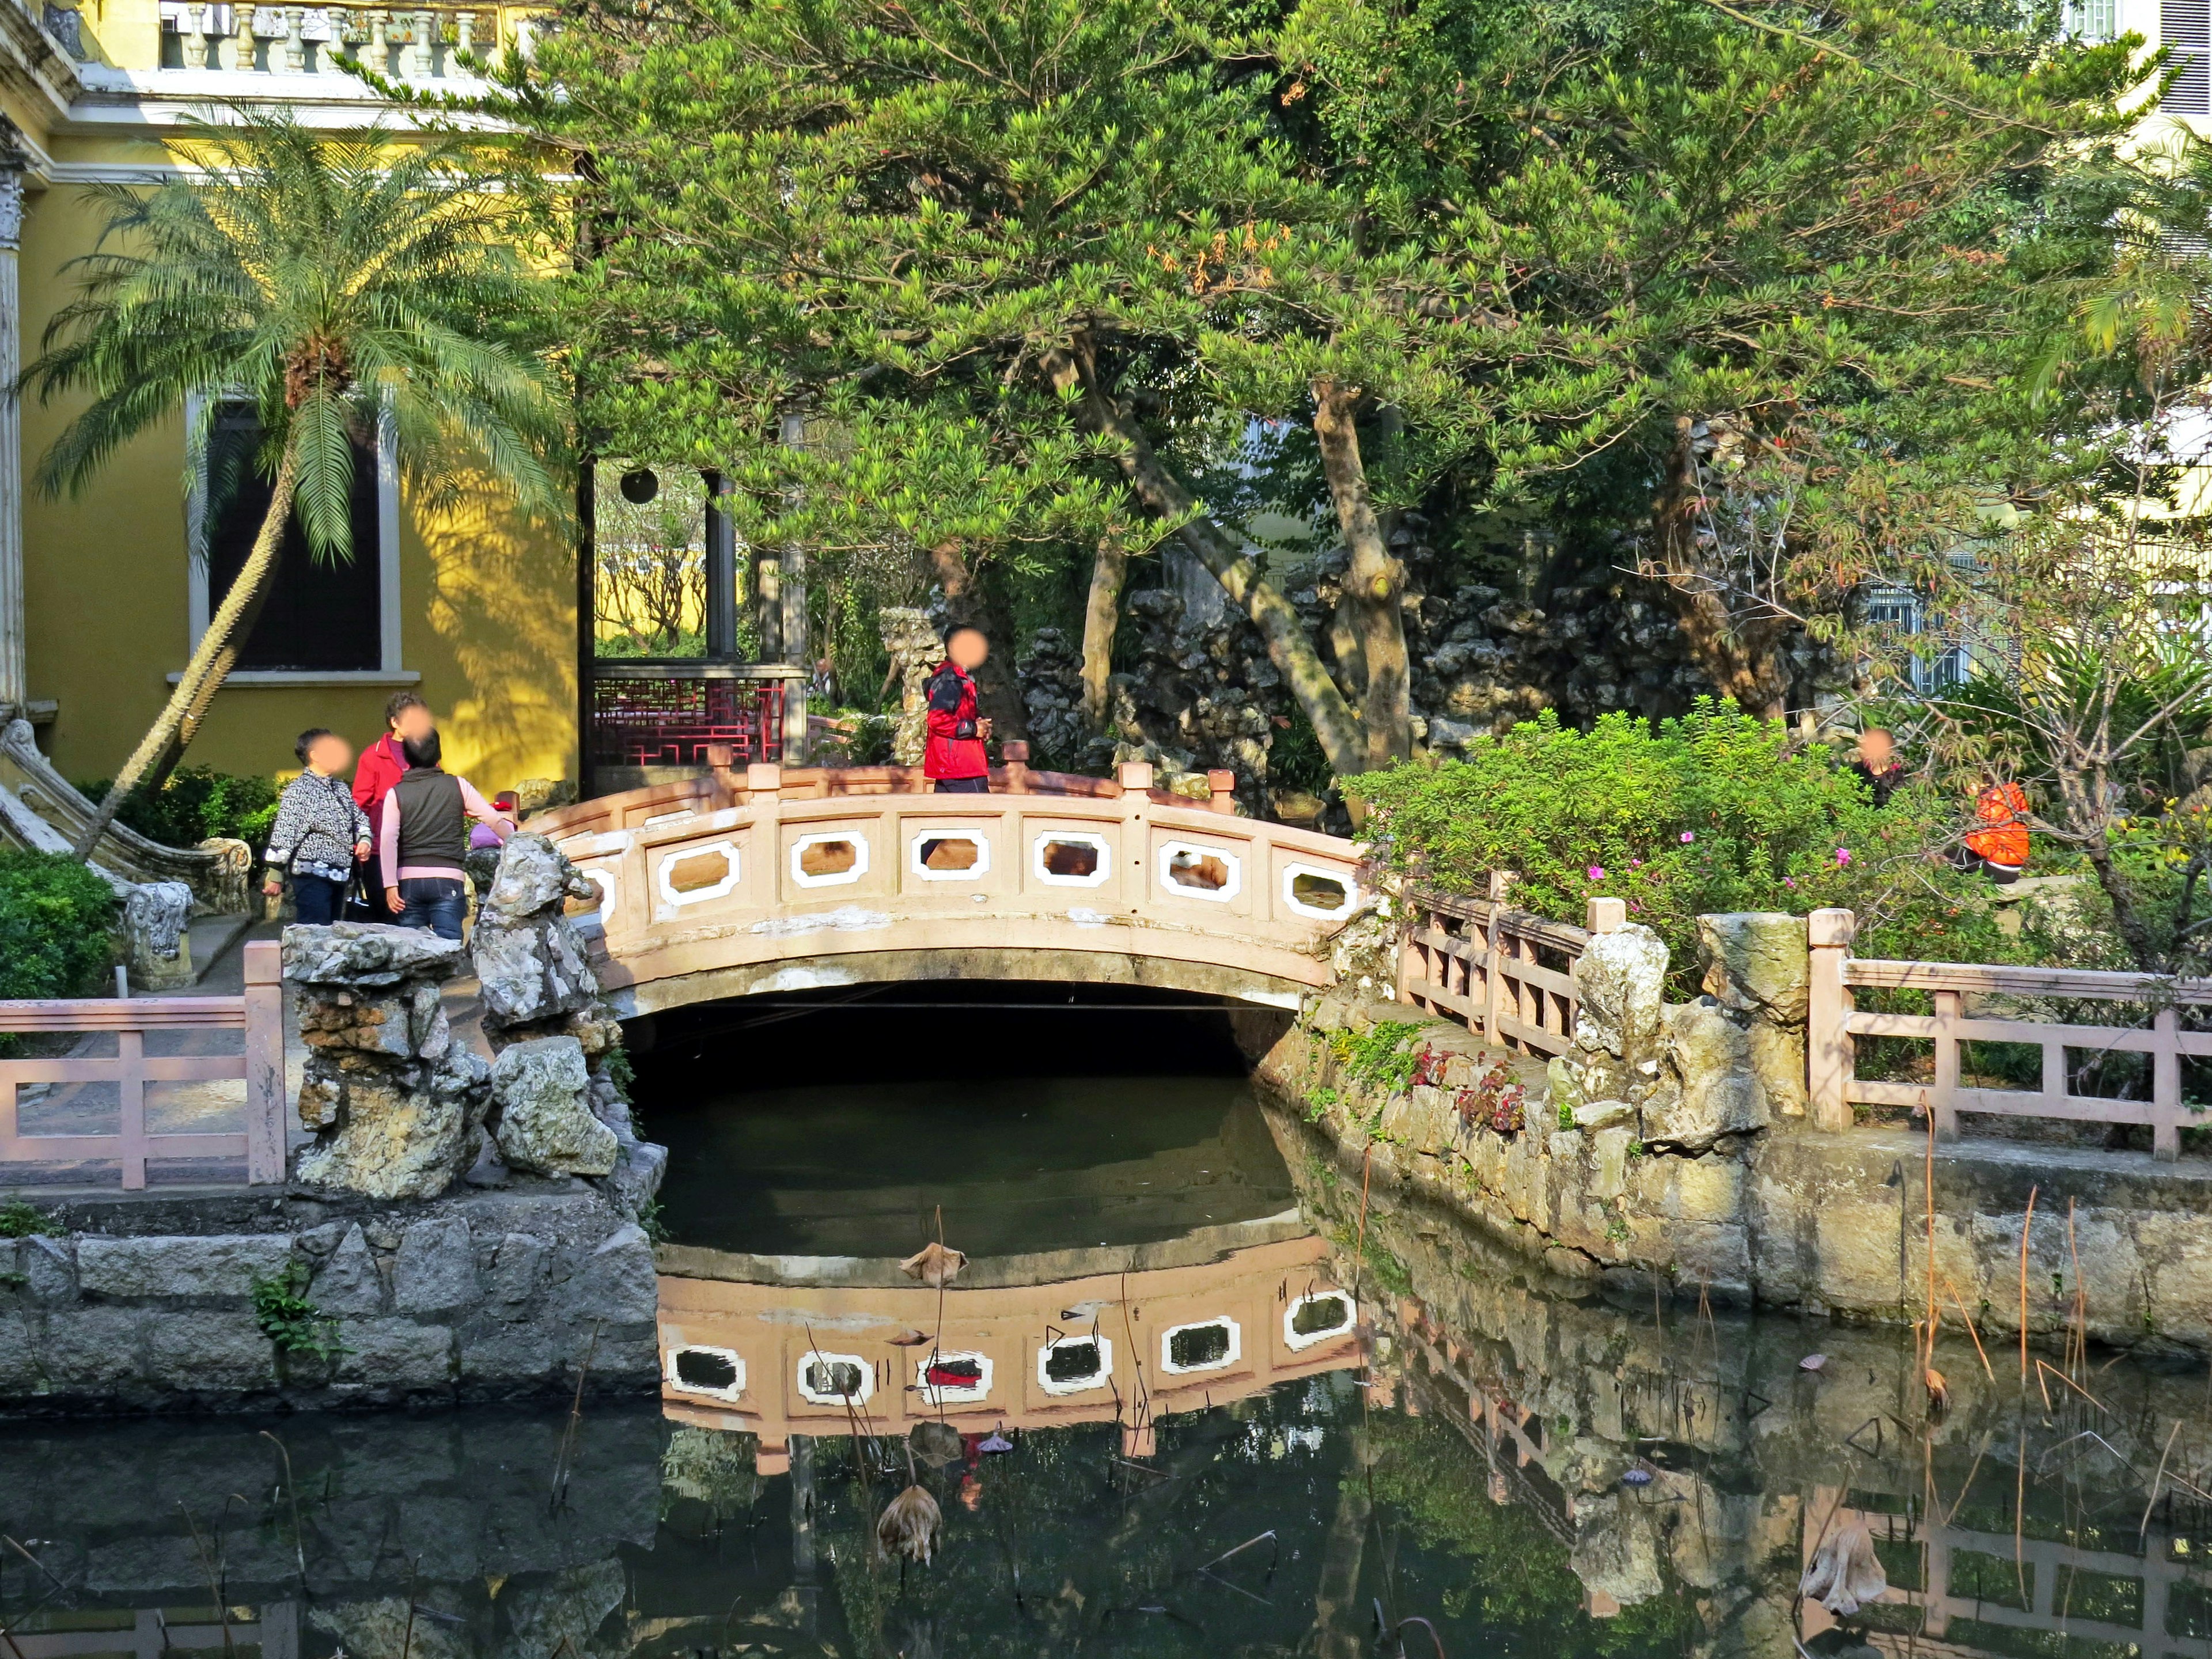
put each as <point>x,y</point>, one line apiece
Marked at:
<point>1480,962</point>
<point>1834,1022</point>
<point>259,1014</point>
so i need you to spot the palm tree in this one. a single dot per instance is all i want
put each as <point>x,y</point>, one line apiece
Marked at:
<point>331,284</point>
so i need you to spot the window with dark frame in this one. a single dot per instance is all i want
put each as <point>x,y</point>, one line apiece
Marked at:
<point>321,615</point>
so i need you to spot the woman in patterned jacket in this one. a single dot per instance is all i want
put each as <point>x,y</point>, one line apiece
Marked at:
<point>320,832</point>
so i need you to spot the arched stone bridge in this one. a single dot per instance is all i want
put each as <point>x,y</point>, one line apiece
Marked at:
<point>736,883</point>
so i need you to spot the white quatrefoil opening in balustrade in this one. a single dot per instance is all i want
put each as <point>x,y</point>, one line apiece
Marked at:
<point>833,859</point>
<point>949,854</point>
<point>715,1373</point>
<point>699,873</point>
<point>835,1379</point>
<point>1071,858</point>
<point>1192,870</point>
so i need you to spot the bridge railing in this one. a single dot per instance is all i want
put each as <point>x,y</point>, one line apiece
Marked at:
<point>705,874</point>
<point>191,1044</point>
<point>728,782</point>
<point>1506,975</point>
<point>1962,993</point>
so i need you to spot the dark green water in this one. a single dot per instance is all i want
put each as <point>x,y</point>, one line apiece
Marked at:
<point>1512,1470</point>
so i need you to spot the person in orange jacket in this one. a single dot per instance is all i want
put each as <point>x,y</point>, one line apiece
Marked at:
<point>2002,848</point>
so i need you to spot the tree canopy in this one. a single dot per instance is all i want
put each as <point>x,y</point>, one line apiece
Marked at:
<point>1751,300</point>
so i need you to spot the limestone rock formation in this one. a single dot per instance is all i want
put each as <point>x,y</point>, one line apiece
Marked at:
<point>1708,1055</point>
<point>1757,965</point>
<point>530,958</point>
<point>911,642</point>
<point>1624,980</point>
<point>559,1106</point>
<point>398,1105</point>
<point>540,1092</point>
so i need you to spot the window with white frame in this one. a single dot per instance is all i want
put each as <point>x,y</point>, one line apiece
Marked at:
<point>2093,20</point>
<point>326,617</point>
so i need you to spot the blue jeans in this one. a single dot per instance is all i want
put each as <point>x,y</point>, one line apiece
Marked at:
<point>437,902</point>
<point>317,899</point>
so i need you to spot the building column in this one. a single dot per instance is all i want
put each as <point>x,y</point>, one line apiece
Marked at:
<point>793,631</point>
<point>721,570</point>
<point>14,676</point>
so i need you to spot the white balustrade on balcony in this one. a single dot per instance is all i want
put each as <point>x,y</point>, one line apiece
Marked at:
<point>414,44</point>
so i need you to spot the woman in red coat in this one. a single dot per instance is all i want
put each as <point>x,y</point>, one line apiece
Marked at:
<point>954,758</point>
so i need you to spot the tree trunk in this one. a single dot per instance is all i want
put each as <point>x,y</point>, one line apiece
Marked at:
<point>1741,655</point>
<point>1101,615</point>
<point>211,663</point>
<point>1268,610</point>
<point>970,602</point>
<point>1340,1633</point>
<point>1375,586</point>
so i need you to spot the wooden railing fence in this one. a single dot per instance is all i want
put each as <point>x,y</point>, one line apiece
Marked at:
<point>1480,962</point>
<point>259,1013</point>
<point>1834,1023</point>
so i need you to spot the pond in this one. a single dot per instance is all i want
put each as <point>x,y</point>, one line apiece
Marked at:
<point>1262,1412</point>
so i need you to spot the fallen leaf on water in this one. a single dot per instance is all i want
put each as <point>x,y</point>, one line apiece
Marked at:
<point>1812,1362</point>
<point>909,1525</point>
<point>1843,1573</point>
<point>935,1444</point>
<point>934,1265</point>
<point>908,1338</point>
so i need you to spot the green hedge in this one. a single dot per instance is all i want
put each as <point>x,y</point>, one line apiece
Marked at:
<point>57,926</point>
<point>1715,811</point>
<point>197,803</point>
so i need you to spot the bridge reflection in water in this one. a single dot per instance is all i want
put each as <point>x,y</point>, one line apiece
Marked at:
<point>778,1347</point>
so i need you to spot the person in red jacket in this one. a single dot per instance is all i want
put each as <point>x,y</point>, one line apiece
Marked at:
<point>406,717</point>
<point>955,757</point>
<point>2004,846</point>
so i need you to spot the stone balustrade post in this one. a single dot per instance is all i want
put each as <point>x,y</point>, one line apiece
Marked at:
<point>1136,778</point>
<point>1223,782</point>
<point>264,1062</point>
<point>423,49</point>
<point>1015,755</point>
<point>1830,1061</point>
<point>1604,915</point>
<point>464,31</point>
<point>244,48</point>
<point>1501,886</point>
<point>295,41</point>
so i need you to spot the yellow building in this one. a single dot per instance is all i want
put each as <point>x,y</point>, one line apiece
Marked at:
<point>102,597</point>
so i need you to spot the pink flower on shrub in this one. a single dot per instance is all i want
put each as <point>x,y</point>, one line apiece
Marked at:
<point>1597,872</point>
<point>1788,881</point>
<point>1843,857</point>
<point>1688,835</point>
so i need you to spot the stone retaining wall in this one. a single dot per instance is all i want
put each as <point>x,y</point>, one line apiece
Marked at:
<point>1674,1145</point>
<point>150,1305</point>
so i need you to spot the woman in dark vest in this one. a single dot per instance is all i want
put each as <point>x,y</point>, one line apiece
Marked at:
<point>425,837</point>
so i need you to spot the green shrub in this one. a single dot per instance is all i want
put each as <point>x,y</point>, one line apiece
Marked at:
<point>197,803</point>
<point>1713,812</point>
<point>57,925</point>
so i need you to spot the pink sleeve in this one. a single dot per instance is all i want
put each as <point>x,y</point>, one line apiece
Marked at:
<point>387,848</point>
<point>479,808</point>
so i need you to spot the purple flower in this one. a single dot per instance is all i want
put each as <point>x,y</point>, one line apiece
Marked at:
<point>1843,856</point>
<point>1688,835</point>
<point>1597,872</point>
